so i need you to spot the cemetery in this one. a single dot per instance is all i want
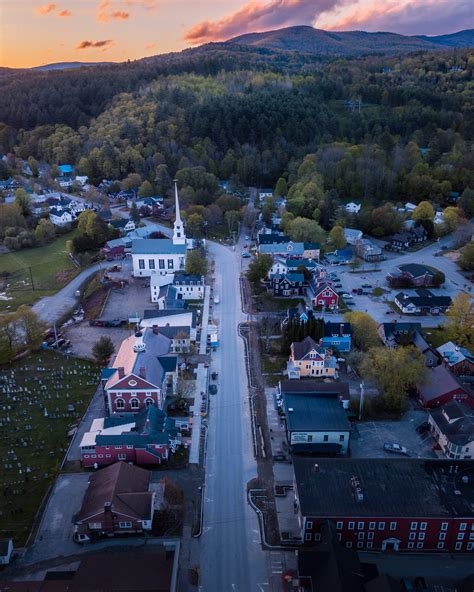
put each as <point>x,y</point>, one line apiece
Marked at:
<point>42,399</point>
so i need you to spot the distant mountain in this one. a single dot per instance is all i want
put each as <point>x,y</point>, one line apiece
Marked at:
<point>307,39</point>
<point>69,65</point>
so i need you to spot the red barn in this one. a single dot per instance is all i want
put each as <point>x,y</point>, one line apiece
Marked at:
<point>397,504</point>
<point>441,387</point>
<point>325,296</point>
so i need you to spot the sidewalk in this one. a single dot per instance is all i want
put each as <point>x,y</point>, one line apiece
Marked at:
<point>205,321</point>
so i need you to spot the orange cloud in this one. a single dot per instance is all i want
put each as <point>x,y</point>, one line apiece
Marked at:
<point>46,9</point>
<point>64,13</point>
<point>106,12</point>
<point>105,44</point>
<point>150,46</point>
<point>259,16</point>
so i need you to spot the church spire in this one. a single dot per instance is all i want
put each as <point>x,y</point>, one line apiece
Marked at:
<point>179,238</point>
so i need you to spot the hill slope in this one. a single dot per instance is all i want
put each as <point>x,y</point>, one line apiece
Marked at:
<point>348,43</point>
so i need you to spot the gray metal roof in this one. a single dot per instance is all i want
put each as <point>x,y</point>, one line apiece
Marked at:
<point>306,413</point>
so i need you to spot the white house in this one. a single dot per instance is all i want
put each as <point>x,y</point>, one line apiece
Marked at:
<point>439,217</point>
<point>60,217</point>
<point>452,426</point>
<point>161,256</point>
<point>81,180</point>
<point>352,235</point>
<point>64,182</point>
<point>170,318</point>
<point>265,193</point>
<point>353,208</point>
<point>410,207</point>
<point>191,287</point>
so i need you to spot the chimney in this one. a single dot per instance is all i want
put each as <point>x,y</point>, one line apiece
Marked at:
<point>156,329</point>
<point>142,372</point>
<point>341,329</point>
<point>121,371</point>
<point>107,506</point>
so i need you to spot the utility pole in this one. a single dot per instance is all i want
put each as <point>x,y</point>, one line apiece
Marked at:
<point>361,405</point>
<point>31,279</point>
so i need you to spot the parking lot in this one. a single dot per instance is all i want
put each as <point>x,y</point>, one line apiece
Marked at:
<point>54,537</point>
<point>368,438</point>
<point>83,337</point>
<point>128,301</point>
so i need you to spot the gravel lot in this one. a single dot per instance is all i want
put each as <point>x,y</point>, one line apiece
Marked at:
<point>368,437</point>
<point>83,337</point>
<point>133,298</point>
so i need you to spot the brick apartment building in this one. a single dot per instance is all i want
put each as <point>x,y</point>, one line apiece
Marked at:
<point>398,504</point>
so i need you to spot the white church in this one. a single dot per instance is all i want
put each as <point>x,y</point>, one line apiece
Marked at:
<point>162,256</point>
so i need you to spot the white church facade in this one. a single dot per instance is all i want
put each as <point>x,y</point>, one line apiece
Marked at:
<point>161,256</point>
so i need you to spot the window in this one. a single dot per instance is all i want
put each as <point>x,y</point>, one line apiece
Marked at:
<point>381,525</point>
<point>94,525</point>
<point>170,264</point>
<point>339,525</point>
<point>141,264</point>
<point>351,525</point>
<point>361,536</point>
<point>440,545</point>
<point>108,455</point>
<point>393,526</point>
<point>349,545</point>
<point>444,526</point>
<point>360,526</point>
<point>308,536</point>
<point>317,536</point>
<point>420,545</point>
<point>326,437</point>
<point>309,525</point>
<point>129,447</point>
<point>339,536</point>
<point>370,545</point>
<point>370,536</point>
<point>470,546</point>
<point>118,447</point>
<point>341,437</point>
<point>151,264</point>
<point>412,536</point>
<point>471,537</point>
<point>458,546</point>
<point>122,457</point>
<point>414,526</point>
<point>161,263</point>
<point>149,402</point>
<point>134,403</point>
<point>411,545</point>
<point>442,536</point>
<point>460,536</point>
<point>86,456</point>
<point>371,525</point>
<point>119,403</point>
<point>463,526</point>
<point>421,536</point>
<point>360,545</point>
<point>423,525</point>
<point>125,525</point>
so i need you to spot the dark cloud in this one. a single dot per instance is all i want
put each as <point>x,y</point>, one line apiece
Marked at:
<point>105,44</point>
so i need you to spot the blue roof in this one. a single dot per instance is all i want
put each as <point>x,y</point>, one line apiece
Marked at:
<point>156,246</point>
<point>65,168</point>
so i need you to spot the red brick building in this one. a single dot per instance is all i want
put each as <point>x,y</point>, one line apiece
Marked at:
<point>398,504</point>
<point>441,387</point>
<point>118,500</point>
<point>142,373</point>
<point>325,296</point>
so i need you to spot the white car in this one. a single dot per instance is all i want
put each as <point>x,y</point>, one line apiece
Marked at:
<point>346,295</point>
<point>216,300</point>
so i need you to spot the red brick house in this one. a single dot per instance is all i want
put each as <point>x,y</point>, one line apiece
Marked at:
<point>397,504</point>
<point>144,439</point>
<point>118,500</point>
<point>141,374</point>
<point>325,296</point>
<point>441,387</point>
<point>458,359</point>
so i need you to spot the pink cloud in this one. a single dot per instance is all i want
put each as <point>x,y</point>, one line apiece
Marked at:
<point>259,16</point>
<point>46,9</point>
<point>105,44</point>
<point>64,13</point>
<point>108,10</point>
<point>150,46</point>
<point>425,17</point>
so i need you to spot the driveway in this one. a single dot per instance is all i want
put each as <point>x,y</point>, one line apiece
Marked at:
<point>54,537</point>
<point>368,437</point>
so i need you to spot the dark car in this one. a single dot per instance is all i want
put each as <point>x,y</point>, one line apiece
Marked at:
<point>366,286</point>
<point>350,303</point>
<point>213,389</point>
<point>423,427</point>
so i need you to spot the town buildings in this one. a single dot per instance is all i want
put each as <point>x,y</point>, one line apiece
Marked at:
<point>458,359</point>
<point>118,500</point>
<point>313,387</point>
<point>441,387</point>
<point>423,303</point>
<point>308,359</point>
<point>337,336</point>
<point>399,504</point>
<point>452,426</point>
<point>288,284</point>
<point>414,275</point>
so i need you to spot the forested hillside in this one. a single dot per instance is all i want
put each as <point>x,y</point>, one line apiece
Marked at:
<point>256,115</point>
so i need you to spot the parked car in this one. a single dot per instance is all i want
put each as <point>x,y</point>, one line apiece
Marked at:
<point>213,389</point>
<point>366,286</point>
<point>346,295</point>
<point>247,238</point>
<point>364,293</point>
<point>423,427</point>
<point>246,255</point>
<point>216,299</point>
<point>395,448</point>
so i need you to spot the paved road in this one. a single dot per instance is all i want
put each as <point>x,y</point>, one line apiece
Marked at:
<point>229,552</point>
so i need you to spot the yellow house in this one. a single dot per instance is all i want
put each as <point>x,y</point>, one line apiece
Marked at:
<point>308,359</point>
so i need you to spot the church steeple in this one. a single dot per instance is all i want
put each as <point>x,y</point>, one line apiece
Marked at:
<point>179,238</point>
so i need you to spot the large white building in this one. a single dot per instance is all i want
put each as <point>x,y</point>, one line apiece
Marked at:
<point>161,256</point>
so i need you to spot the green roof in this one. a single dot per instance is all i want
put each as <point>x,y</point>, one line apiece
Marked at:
<point>156,246</point>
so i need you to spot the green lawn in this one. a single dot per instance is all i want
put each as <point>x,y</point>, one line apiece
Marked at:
<point>32,446</point>
<point>33,273</point>
<point>435,336</point>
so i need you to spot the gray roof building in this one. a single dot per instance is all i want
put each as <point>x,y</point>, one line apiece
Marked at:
<point>306,413</point>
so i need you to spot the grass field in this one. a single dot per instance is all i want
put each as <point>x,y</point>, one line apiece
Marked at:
<point>33,441</point>
<point>33,273</point>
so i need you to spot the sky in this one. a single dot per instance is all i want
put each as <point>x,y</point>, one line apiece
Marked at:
<point>40,32</point>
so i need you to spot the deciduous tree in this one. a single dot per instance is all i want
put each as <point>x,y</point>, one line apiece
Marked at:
<point>459,326</point>
<point>364,330</point>
<point>259,268</point>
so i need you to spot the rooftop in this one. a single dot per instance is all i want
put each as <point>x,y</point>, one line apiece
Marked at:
<point>301,349</point>
<point>454,354</point>
<point>156,246</point>
<point>314,413</point>
<point>416,269</point>
<point>456,421</point>
<point>398,487</point>
<point>439,381</point>
<point>312,386</point>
